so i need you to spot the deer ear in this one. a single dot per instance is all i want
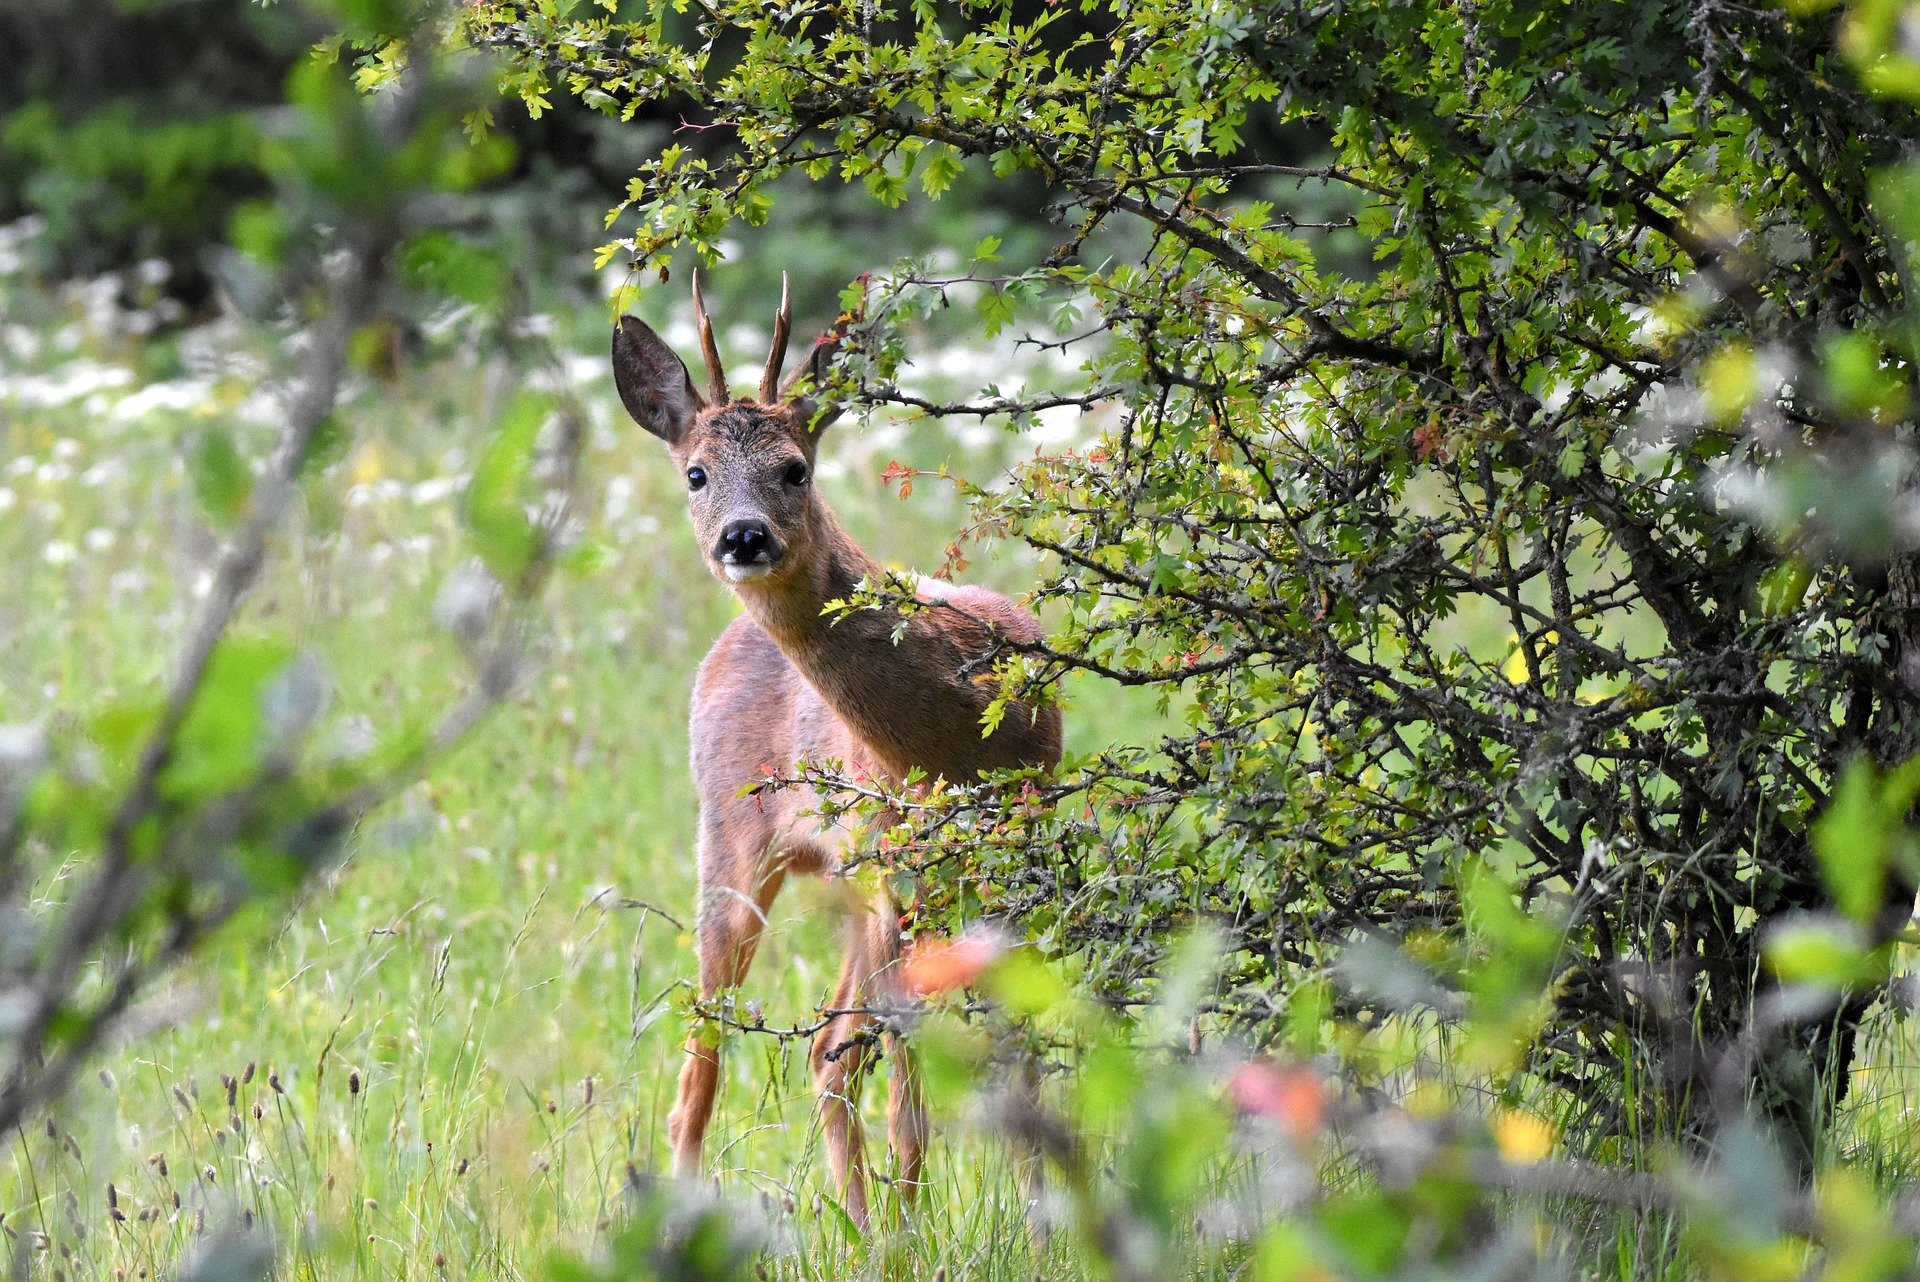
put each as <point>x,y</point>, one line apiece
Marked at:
<point>812,373</point>
<point>653,382</point>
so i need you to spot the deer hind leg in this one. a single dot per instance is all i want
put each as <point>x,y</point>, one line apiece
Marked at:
<point>906,1105</point>
<point>839,1059</point>
<point>842,1051</point>
<point>727,931</point>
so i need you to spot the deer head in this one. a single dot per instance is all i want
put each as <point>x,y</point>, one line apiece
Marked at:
<point>748,463</point>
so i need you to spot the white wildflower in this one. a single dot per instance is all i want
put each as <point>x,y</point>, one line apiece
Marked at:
<point>355,737</point>
<point>180,394</point>
<point>22,343</point>
<point>434,490</point>
<point>465,605</point>
<point>109,469</point>
<point>619,497</point>
<point>23,754</point>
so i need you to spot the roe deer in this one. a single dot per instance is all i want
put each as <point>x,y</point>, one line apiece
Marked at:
<point>785,684</point>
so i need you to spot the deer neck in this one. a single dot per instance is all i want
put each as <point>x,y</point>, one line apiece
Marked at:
<point>903,686</point>
<point>862,664</point>
<point>790,611</point>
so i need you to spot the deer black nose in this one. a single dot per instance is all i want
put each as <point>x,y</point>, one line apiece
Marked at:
<point>743,543</point>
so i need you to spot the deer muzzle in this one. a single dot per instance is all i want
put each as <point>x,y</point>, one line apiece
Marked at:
<point>746,550</point>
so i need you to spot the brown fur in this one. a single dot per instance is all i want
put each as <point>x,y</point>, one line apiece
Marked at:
<point>784,684</point>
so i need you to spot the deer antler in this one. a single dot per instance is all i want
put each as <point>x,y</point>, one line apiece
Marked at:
<point>827,346</point>
<point>777,354</point>
<point>716,373</point>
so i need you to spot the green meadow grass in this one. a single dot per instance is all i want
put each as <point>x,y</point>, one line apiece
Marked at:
<point>450,1056</point>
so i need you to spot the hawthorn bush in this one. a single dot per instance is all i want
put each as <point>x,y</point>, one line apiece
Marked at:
<point>1510,465</point>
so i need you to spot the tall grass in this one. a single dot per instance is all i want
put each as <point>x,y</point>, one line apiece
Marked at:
<point>453,1056</point>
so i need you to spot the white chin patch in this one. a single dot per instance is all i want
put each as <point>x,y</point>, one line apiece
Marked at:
<point>741,573</point>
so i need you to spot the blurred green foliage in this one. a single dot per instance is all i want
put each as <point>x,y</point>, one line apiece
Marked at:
<point>133,129</point>
<point>142,131</point>
<point>118,186</point>
<point>141,823</point>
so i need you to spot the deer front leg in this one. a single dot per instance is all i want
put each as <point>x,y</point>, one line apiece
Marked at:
<point>906,1119</point>
<point>727,931</point>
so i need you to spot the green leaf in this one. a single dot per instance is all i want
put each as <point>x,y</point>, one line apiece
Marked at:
<point>1370,1229</point>
<point>1308,1009</point>
<point>259,230</point>
<point>326,445</point>
<point>1821,950</point>
<point>438,260</point>
<point>948,1055</point>
<point>1106,1081</point>
<point>221,478</point>
<point>943,166</point>
<point>1024,983</point>
<point>996,311</point>
<point>1855,837</point>
<point>502,533</point>
<point>1858,381</point>
<point>223,736</point>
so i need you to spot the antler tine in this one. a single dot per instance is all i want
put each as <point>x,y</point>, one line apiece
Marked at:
<point>777,354</point>
<point>716,373</point>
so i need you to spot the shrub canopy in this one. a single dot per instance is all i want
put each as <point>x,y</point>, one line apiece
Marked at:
<point>1513,475</point>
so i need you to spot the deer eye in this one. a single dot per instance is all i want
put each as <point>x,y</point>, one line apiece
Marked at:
<point>797,474</point>
<point>696,478</point>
